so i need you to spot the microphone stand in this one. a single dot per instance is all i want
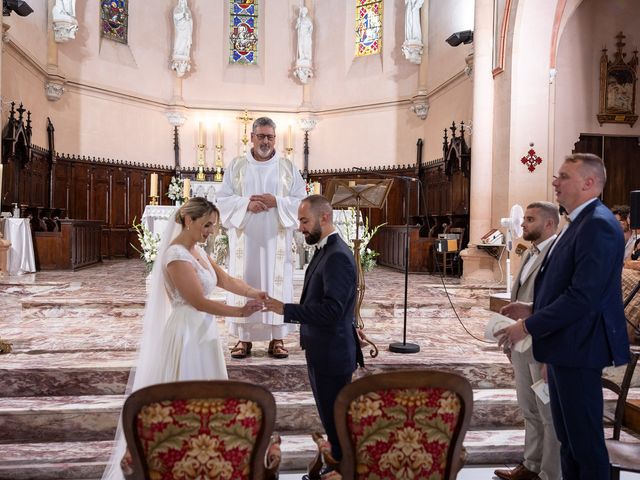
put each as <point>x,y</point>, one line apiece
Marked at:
<point>401,347</point>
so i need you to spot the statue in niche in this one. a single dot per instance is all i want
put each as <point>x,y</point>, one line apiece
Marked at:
<point>63,17</point>
<point>304,27</point>
<point>183,29</point>
<point>412,46</point>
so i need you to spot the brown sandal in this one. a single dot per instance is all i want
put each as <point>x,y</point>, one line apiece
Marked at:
<point>241,350</point>
<point>277,349</point>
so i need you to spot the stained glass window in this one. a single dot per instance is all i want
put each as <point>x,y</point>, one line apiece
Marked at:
<point>368,27</point>
<point>243,36</point>
<point>114,15</point>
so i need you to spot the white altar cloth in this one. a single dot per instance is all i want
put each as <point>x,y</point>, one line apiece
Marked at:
<point>21,256</point>
<point>155,217</point>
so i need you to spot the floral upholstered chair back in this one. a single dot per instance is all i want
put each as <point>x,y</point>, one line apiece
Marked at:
<point>407,424</point>
<point>194,430</point>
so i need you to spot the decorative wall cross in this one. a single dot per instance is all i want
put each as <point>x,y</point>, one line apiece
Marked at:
<point>531,159</point>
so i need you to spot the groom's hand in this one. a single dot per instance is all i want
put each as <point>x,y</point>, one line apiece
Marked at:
<point>273,305</point>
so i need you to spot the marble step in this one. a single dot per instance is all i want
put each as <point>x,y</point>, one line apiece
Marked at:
<point>107,372</point>
<point>87,460</point>
<point>94,418</point>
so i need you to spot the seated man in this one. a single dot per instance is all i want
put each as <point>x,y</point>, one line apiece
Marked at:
<point>622,213</point>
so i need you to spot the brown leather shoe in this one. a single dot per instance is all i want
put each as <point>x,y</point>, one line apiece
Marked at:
<point>520,472</point>
<point>241,350</point>
<point>277,349</point>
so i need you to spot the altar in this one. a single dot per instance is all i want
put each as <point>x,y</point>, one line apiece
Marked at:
<point>205,189</point>
<point>155,217</point>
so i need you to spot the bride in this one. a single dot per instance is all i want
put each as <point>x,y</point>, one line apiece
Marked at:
<point>180,338</point>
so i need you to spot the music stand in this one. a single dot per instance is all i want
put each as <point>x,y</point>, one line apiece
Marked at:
<point>359,193</point>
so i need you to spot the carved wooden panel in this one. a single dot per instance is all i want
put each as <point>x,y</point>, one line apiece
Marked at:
<point>62,175</point>
<point>620,155</point>
<point>100,191</point>
<point>119,194</point>
<point>81,190</point>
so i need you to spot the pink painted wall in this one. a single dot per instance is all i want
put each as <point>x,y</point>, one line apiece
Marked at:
<point>117,95</point>
<point>593,26</point>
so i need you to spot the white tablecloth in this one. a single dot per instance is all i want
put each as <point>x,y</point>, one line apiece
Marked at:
<point>21,256</point>
<point>155,217</point>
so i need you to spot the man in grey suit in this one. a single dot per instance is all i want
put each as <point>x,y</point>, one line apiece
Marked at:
<point>541,446</point>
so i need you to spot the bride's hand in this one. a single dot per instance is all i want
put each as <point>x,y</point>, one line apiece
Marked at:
<point>251,307</point>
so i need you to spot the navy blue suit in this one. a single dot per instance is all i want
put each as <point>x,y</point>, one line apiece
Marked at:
<point>578,327</point>
<point>327,332</point>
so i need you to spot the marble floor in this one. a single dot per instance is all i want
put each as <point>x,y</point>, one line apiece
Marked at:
<point>74,337</point>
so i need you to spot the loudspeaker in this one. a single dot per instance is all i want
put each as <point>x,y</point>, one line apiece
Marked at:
<point>634,203</point>
<point>21,7</point>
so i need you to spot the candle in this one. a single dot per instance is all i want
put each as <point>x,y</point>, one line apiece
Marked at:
<point>316,188</point>
<point>153,188</point>
<point>352,183</point>
<point>186,190</point>
<point>219,136</point>
<point>201,134</point>
<point>289,136</point>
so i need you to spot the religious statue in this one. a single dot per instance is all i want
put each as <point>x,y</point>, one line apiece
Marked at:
<point>304,27</point>
<point>412,46</point>
<point>183,28</point>
<point>63,18</point>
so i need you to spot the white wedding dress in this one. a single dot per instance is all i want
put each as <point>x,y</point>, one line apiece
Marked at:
<point>178,343</point>
<point>190,343</point>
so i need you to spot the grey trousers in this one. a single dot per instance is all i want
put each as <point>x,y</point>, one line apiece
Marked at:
<point>541,445</point>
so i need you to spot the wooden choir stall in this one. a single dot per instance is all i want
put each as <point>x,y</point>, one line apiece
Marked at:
<point>437,206</point>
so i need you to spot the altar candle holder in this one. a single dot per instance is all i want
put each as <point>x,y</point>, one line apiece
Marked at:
<point>217,176</point>
<point>153,200</point>
<point>200,175</point>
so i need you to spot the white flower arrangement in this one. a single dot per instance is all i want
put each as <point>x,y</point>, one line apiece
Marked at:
<point>347,228</point>
<point>148,242</point>
<point>176,189</point>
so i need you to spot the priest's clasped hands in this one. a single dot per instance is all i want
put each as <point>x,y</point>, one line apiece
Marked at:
<point>261,203</point>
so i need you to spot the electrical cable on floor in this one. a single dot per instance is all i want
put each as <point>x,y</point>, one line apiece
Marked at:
<point>444,286</point>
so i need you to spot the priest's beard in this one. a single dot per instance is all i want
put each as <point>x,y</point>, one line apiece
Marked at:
<point>314,235</point>
<point>264,152</point>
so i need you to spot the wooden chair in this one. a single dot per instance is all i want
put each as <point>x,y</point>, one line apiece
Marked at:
<point>624,455</point>
<point>201,429</point>
<point>450,261</point>
<point>404,424</point>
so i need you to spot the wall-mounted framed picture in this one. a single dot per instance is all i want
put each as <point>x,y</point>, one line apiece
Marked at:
<point>618,86</point>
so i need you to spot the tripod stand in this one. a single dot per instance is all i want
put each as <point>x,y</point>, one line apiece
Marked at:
<point>359,193</point>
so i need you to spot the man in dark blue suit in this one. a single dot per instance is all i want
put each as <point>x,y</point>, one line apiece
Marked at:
<point>326,312</point>
<point>577,319</point>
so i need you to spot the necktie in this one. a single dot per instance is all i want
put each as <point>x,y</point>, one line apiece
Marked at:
<point>533,250</point>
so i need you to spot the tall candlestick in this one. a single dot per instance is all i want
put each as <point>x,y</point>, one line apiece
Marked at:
<point>186,188</point>
<point>153,188</point>
<point>289,137</point>
<point>201,134</point>
<point>219,136</point>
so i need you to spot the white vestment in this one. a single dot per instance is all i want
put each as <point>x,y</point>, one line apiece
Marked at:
<point>260,244</point>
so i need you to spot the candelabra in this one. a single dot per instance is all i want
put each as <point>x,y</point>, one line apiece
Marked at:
<point>217,176</point>
<point>200,174</point>
<point>288,152</point>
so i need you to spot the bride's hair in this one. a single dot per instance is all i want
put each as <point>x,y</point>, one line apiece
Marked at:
<point>196,207</point>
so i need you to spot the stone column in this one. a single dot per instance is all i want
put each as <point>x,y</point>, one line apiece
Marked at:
<point>419,102</point>
<point>478,266</point>
<point>54,84</point>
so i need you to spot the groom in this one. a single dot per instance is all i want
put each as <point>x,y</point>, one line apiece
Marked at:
<point>325,312</point>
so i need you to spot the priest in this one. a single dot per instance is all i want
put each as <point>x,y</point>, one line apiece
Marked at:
<point>258,205</point>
